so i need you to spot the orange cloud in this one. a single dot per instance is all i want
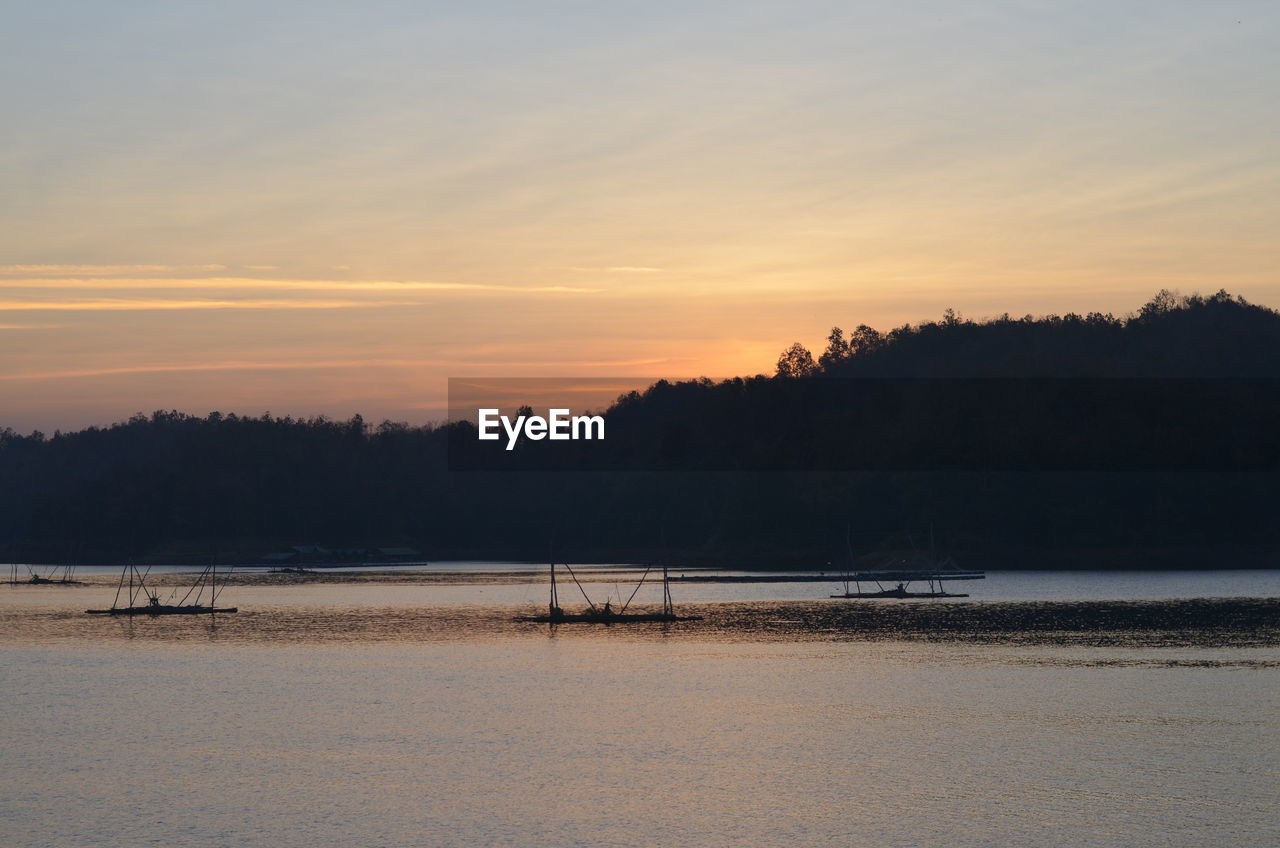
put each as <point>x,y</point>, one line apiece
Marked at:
<point>105,270</point>
<point>254,283</point>
<point>140,305</point>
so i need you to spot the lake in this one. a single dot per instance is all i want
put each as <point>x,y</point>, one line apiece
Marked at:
<point>392,713</point>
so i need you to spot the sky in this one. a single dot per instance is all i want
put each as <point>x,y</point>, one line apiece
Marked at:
<point>330,208</point>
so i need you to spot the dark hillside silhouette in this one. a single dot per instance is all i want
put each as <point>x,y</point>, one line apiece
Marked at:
<point>1170,336</point>
<point>173,485</point>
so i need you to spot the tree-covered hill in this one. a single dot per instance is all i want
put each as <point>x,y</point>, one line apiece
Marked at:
<point>1170,336</point>
<point>171,484</point>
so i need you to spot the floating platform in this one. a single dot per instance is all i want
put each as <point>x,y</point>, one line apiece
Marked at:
<point>138,590</point>
<point>606,614</point>
<point>163,609</point>
<point>934,578</point>
<point>909,576</point>
<point>601,617</point>
<point>900,593</point>
<point>827,577</point>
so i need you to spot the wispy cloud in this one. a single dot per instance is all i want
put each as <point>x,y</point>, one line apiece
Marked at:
<point>32,326</point>
<point>239,365</point>
<point>107,270</point>
<point>254,283</point>
<point>281,289</point>
<point>313,365</point>
<point>124,305</point>
<point>616,269</point>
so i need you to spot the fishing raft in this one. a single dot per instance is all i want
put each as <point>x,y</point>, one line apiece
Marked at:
<point>903,580</point>
<point>138,590</point>
<point>605,613</point>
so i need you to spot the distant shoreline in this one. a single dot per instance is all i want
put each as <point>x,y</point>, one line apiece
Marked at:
<point>679,572</point>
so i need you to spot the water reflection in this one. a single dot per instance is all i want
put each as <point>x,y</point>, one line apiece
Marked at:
<point>1192,623</point>
<point>337,715</point>
<point>512,583</point>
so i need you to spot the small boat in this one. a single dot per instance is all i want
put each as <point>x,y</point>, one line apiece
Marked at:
<point>605,613</point>
<point>138,589</point>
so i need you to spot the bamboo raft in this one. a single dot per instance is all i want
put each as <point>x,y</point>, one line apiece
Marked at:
<point>162,609</point>
<point>934,579</point>
<point>606,614</point>
<point>138,589</point>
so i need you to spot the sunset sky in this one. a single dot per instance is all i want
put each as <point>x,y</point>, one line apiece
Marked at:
<point>316,207</point>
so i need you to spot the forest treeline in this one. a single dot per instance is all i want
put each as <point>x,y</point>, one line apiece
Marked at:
<point>172,485</point>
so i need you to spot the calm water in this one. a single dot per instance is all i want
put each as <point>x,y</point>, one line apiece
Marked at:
<point>394,714</point>
<point>514,583</point>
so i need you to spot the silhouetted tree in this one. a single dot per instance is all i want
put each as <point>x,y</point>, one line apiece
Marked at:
<point>864,339</point>
<point>837,348</point>
<point>796,361</point>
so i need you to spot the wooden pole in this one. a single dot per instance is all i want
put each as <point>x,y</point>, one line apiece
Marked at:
<point>580,589</point>
<point>555,601</point>
<point>119,585</point>
<point>668,608</point>
<point>643,577</point>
